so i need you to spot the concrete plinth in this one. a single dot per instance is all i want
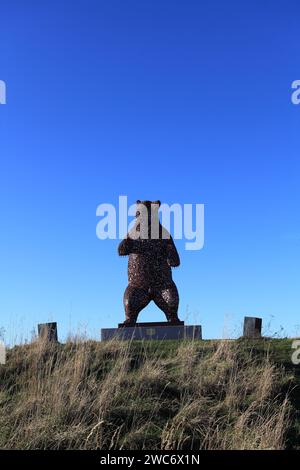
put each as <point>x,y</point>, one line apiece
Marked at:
<point>148,331</point>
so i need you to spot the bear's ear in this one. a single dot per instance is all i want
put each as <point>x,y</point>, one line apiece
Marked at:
<point>157,202</point>
<point>138,201</point>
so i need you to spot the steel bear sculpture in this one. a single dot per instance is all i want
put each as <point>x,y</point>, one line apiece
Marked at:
<point>152,254</point>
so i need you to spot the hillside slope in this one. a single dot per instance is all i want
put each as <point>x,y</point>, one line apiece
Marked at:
<point>150,395</point>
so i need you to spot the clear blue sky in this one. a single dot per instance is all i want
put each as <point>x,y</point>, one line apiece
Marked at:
<point>182,101</point>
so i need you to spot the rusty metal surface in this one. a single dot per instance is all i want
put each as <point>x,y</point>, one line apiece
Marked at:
<point>149,266</point>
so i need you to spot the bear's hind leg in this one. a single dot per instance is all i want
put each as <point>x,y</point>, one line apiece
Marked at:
<point>135,299</point>
<point>167,299</point>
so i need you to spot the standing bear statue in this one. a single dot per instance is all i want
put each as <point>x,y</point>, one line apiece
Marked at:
<point>152,254</point>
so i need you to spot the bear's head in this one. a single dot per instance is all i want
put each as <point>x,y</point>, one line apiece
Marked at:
<point>147,213</point>
<point>149,205</point>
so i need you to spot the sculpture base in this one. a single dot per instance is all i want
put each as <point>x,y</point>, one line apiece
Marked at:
<point>150,324</point>
<point>153,330</point>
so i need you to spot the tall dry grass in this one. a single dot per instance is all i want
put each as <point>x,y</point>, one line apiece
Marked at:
<point>119,395</point>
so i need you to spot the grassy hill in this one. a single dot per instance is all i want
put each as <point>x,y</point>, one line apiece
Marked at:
<point>150,395</point>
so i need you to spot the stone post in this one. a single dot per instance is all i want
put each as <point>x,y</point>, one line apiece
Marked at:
<point>48,331</point>
<point>252,327</point>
